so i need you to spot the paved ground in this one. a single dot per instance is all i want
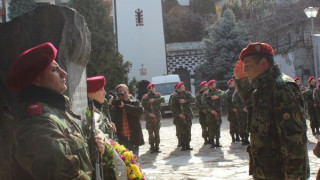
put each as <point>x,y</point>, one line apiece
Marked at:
<point>204,163</point>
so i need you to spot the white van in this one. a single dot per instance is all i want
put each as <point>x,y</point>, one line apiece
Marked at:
<point>165,86</point>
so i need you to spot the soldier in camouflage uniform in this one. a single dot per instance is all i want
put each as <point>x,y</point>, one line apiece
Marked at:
<point>297,80</point>
<point>241,112</point>
<point>232,118</point>
<point>181,110</point>
<point>174,119</point>
<point>308,97</point>
<point>49,144</point>
<point>151,103</point>
<point>316,97</point>
<point>212,103</point>
<point>202,114</point>
<point>278,140</point>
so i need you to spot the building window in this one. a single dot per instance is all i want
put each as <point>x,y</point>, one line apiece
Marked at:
<point>139,17</point>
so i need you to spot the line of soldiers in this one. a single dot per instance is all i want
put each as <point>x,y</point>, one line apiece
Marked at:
<point>311,96</point>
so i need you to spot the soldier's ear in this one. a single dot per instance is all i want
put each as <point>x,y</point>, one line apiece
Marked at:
<point>36,82</point>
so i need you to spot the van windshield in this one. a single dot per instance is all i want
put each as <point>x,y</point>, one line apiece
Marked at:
<point>165,88</point>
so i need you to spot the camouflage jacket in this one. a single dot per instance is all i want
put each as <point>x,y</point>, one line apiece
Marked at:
<point>308,96</point>
<point>49,144</point>
<point>210,104</point>
<point>185,108</point>
<point>102,123</point>
<point>199,103</point>
<point>154,107</point>
<point>316,96</point>
<point>237,101</point>
<point>229,103</point>
<point>277,128</point>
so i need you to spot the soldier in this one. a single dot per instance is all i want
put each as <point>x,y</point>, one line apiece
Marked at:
<point>151,103</point>
<point>49,144</point>
<point>212,103</point>
<point>241,112</point>
<point>278,140</point>
<point>202,113</point>
<point>174,119</point>
<point>182,112</point>
<point>316,97</point>
<point>234,124</point>
<point>104,127</point>
<point>308,97</point>
<point>297,80</point>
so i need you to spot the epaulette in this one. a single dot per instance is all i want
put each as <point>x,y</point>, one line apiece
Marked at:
<point>145,95</point>
<point>34,109</point>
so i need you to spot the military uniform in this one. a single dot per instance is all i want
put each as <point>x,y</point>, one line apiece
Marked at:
<point>153,125</point>
<point>202,116</point>
<point>233,120</point>
<point>316,97</point>
<point>174,119</point>
<point>214,121</point>
<point>242,117</point>
<point>277,129</point>
<point>308,97</point>
<point>183,126</point>
<point>49,143</point>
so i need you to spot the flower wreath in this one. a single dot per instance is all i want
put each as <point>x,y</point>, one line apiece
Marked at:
<point>133,169</point>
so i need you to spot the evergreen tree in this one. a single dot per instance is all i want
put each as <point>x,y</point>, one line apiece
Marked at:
<point>203,7</point>
<point>235,7</point>
<point>104,59</point>
<point>222,48</point>
<point>18,7</point>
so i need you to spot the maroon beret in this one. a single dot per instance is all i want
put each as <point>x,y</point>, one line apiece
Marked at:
<point>255,49</point>
<point>202,83</point>
<point>179,85</point>
<point>29,65</point>
<point>318,79</point>
<point>211,82</point>
<point>296,79</point>
<point>175,86</point>
<point>150,85</point>
<point>310,79</point>
<point>230,80</point>
<point>96,83</point>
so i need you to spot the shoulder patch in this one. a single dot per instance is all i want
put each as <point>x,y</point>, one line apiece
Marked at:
<point>34,109</point>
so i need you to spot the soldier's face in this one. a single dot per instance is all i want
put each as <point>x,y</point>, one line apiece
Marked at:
<point>313,82</point>
<point>53,78</point>
<point>204,87</point>
<point>298,82</point>
<point>231,84</point>
<point>252,67</point>
<point>98,96</point>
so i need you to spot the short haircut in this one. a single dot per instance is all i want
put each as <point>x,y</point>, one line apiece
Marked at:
<point>121,86</point>
<point>269,58</point>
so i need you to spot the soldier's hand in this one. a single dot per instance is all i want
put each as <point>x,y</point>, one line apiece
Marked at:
<point>238,70</point>
<point>235,110</point>
<point>182,101</point>
<point>114,127</point>
<point>245,110</point>
<point>100,144</point>
<point>214,97</point>
<point>151,101</point>
<point>152,115</point>
<point>182,116</point>
<point>214,112</point>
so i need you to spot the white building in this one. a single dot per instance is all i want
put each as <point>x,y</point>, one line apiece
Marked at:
<point>140,34</point>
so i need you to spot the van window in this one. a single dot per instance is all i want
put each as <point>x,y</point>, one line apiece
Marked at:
<point>165,88</point>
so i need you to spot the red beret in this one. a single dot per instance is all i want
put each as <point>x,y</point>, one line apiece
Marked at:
<point>150,85</point>
<point>202,83</point>
<point>175,86</point>
<point>318,79</point>
<point>256,48</point>
<point>179,85</point>
<point>29,65</point>
<point>211,82</point>
<point>230,80</point>
<point>310,79</point>
<point>96,83</point>
<point>296,79</point>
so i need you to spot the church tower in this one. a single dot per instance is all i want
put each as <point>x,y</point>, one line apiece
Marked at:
<point>140,37</point>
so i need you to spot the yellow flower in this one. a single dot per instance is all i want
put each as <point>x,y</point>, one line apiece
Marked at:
<point>132,176</point>
<point>122,148</point>
<point>127,156</point>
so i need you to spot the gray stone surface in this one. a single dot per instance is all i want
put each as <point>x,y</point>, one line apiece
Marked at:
<point>68,32</point>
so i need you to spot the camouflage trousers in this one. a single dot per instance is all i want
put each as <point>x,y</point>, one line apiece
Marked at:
<point>313,117</point>
<point>184,131</point>
<point>214,125</point>
<point>153,131</point>
<point>203,123</point>
<point>243,124</point>
<point>233,122</point>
